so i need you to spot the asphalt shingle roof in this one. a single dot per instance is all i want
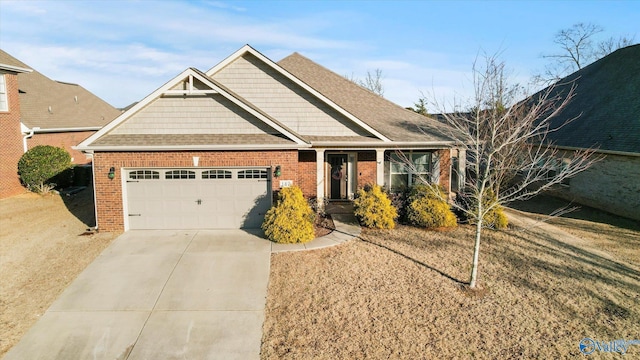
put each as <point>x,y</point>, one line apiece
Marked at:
<point>607,101</point>
<point>72,106</point>
<point>390,119</point>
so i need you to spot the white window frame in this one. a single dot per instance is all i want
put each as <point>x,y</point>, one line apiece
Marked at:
<point>4,98</point>
<point>398,167</point>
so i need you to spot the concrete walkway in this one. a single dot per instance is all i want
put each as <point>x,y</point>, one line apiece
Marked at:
<point>168,295</point>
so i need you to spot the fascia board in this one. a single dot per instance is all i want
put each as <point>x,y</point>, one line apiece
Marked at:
<point>297,81</point>
<point>191,147</point>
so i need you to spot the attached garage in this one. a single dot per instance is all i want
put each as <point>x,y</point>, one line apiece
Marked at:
<point>196,198</point>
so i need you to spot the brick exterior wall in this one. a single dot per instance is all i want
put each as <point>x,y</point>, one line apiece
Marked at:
<point>445,168</point>
<point>367,168</point>
<point>109,192</point>
<point>307,173</point>
<point>611,185</point>
<point>11,147</point>
<point>64,140</point>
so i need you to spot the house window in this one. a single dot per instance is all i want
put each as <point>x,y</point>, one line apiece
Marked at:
<point>180,174</point>
<point>252,174</point>
<point>4,102</point>
<point>216,174</point>
<point>403,174</point>
<point>144,174</point>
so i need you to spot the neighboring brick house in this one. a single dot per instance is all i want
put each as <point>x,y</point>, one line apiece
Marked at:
<point>10,135</point>
<point>606,109</point>
<point>209,150</point>
<point>52,113</point>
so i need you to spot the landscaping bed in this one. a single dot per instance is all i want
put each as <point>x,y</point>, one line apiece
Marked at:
<point>399,294</point>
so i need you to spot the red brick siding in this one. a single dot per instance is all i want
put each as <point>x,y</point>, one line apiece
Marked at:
<point>109,192</point>
<point>63,140</point>
<point>307,173</point>
<point>11,147</point>
<point>366,168</point>
<point>445,168</point>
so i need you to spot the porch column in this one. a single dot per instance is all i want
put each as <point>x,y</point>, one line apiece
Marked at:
<point>320,176</point>
<point>380,167</point>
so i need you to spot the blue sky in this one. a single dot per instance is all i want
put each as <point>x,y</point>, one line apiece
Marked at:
<point>123,50</point>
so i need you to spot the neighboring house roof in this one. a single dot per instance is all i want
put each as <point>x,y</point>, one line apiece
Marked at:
<point>57,106</point>
<point>248,101</point>
<point>392,120</point>
<point>606,104</point>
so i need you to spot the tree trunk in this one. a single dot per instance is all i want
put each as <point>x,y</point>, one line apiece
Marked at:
<point>476,256</point>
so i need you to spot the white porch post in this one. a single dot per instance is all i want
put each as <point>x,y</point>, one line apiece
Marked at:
<point>320,176</point>
<point>380,167</point>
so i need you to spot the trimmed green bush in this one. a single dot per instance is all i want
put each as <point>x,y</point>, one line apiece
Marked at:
<point>373,208</point>
<point>495,218</point>
<point>291,219</point>
<point>39,166</point>
<point>427,209</point>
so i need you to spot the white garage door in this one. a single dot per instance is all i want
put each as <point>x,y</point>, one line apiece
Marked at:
<point>196,198</point>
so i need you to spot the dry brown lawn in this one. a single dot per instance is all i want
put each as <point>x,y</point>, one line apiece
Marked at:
<point>41,252</point>
<point>397,295</point>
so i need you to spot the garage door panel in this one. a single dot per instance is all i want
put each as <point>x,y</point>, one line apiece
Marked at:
<point>198,203</point>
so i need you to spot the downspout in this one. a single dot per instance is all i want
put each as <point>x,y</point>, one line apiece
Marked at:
<point>93,181</point>
<point>28,134</point>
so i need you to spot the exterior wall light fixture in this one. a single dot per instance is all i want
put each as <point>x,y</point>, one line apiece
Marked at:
<point>278,171</point>
<point>112,173</point>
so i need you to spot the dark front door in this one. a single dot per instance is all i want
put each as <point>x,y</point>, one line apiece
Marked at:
<point>338,183</point>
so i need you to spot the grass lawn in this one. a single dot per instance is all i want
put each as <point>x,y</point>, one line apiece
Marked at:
<point>397,294</point>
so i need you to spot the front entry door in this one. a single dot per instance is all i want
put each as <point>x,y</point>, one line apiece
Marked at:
<point>339,176</point>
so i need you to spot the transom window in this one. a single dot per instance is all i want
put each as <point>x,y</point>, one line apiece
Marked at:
<point>180,174</point>
<point>216,174</point>
<point>144,174</point>
<point>408,170</point>
<point>252,174</point>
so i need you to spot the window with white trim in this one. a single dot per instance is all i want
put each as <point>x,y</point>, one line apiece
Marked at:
<point>403,175</point>
<point>4,101</point>
<point>180,174</point>
<point>216,174</point>
<point>252,174</point>
<point>144,174</point>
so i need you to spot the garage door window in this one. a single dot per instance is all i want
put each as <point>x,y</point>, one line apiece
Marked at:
<point>180,174</point>
<point>252,174</point>
<point>144,174</point>
<point>216,174</point>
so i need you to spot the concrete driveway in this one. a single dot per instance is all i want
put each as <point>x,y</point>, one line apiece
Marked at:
<point>160,295</point>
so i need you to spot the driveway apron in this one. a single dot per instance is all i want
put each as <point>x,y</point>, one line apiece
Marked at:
<point>160,295</point>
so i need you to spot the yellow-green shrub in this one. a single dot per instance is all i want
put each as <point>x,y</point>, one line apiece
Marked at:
<point>373,208</point>
<point>427,209</point>
<point>291,219</point>
<point>494,218</point>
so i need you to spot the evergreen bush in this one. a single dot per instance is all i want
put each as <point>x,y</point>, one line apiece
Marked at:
<point>373,208</point>
<point>428,209</point>
<point>291,219</point>
<point>39,167</point>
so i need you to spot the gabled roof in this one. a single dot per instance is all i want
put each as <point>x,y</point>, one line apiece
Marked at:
<point>279,69</point>
<point>52,105</point>
<point>106,139</point>
<point>606,104</point>
<point>390,119</point>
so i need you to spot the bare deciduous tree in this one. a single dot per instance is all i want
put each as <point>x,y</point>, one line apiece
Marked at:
<point>508,156</point>
<point>577,48</point>
<point>373,82</point>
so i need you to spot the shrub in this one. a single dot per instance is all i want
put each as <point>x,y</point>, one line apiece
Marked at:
<point>427,209</point>
<point>39,166</point>
<point>399,201</point>
<point>291,219</point>
<point>494,219</point>
<point>373,208</point>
